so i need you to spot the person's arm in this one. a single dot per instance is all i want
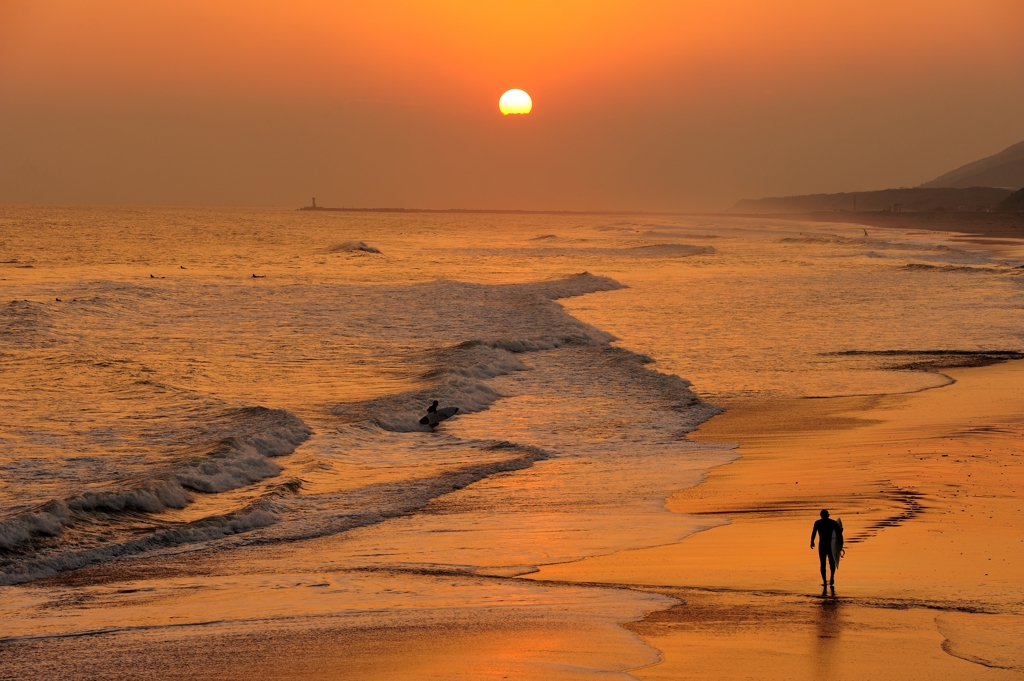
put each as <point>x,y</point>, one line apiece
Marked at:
<point>814,531</point>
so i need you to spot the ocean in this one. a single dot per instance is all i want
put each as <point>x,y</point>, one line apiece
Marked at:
<point>224,404</point>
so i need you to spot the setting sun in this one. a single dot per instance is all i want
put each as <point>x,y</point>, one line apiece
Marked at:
<point>515,102</point>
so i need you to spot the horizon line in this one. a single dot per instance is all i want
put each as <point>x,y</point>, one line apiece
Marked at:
<point>515,211</point>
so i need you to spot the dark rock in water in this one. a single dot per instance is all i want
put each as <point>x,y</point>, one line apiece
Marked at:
<point>353,247</point>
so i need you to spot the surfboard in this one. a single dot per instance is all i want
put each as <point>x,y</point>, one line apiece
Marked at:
<point>837,542</point>
<point>435,417</point>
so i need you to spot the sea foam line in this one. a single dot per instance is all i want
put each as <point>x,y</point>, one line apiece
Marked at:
<point>403,497</point>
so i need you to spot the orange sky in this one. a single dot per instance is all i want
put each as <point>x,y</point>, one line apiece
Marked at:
<point>648,105</point>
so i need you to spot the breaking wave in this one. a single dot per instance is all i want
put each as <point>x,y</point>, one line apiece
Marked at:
<point>233,462</point>
<point>460,373</point>
<point>289,516</point>
<point>506,325</point>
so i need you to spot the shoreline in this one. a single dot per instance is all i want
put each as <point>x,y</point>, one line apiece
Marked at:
<point>984,225</point>
<point>748,587</point>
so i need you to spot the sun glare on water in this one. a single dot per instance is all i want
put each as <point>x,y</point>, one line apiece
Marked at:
<point>515,102</point>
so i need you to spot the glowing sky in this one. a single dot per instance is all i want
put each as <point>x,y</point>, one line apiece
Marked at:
<point>653,105</point>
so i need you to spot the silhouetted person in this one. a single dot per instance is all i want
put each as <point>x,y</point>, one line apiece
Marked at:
<point>432,409</point>
<point>825,528</point>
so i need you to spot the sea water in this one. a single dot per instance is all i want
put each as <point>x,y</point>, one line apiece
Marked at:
<point>233,397</point>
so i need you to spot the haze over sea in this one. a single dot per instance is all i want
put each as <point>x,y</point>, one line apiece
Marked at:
<point>228,400</point>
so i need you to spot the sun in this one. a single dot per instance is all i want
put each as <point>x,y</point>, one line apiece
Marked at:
<point>515,102</point>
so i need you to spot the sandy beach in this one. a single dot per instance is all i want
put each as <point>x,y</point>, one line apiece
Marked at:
<point>929,486</point>
<point>241,488</point>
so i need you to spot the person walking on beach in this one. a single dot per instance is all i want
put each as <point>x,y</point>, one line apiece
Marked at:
<point>825,528</point>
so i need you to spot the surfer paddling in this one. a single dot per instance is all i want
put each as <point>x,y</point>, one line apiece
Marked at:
<point>830,544</point>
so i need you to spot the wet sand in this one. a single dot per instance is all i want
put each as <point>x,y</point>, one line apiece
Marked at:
<point>502,643</point>
<point>929,486</point>
<point>293,612</point>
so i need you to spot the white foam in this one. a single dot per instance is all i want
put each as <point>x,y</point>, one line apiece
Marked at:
<point>353,508</point>
<point>47,520</point>
<point>376,503</point>
<point>203,530</point>
<point>235,462</point>
<point>507,323</point>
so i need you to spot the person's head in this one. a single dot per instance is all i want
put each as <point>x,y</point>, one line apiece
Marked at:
<point>435,403</point>
<point>824,513</point>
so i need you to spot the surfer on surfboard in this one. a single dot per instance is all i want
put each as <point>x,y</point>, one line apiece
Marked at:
<point>435,416</point>
<point>829,534</point>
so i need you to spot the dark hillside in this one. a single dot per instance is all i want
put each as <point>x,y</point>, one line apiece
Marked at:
<point>1005,169</point>
<point>917,199</point>
<point>1014,203</point>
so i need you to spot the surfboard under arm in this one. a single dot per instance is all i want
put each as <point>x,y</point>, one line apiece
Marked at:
<point>435,417</point>
<point>837,543</point>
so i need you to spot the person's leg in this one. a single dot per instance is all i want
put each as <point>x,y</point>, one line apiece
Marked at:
<point>821,559</point>
<point>831,567</point>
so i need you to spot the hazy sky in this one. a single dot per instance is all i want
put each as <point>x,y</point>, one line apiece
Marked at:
<point>656,105</point>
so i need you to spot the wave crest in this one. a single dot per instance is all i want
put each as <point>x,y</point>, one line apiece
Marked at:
<point>231,463</point>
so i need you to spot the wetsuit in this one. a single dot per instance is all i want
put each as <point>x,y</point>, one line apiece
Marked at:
<point>432,409</point>
<point>824,528</point>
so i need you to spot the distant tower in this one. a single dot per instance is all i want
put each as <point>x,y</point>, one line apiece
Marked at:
<point>314,202</point>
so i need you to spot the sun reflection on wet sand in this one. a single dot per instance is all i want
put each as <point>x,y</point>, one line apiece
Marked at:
<point>829,628</point>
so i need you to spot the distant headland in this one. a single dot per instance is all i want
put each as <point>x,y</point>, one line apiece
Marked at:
<point>982,198</point>
<point>991,185</point>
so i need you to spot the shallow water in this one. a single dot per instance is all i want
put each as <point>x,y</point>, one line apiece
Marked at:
<point>160,400</point>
